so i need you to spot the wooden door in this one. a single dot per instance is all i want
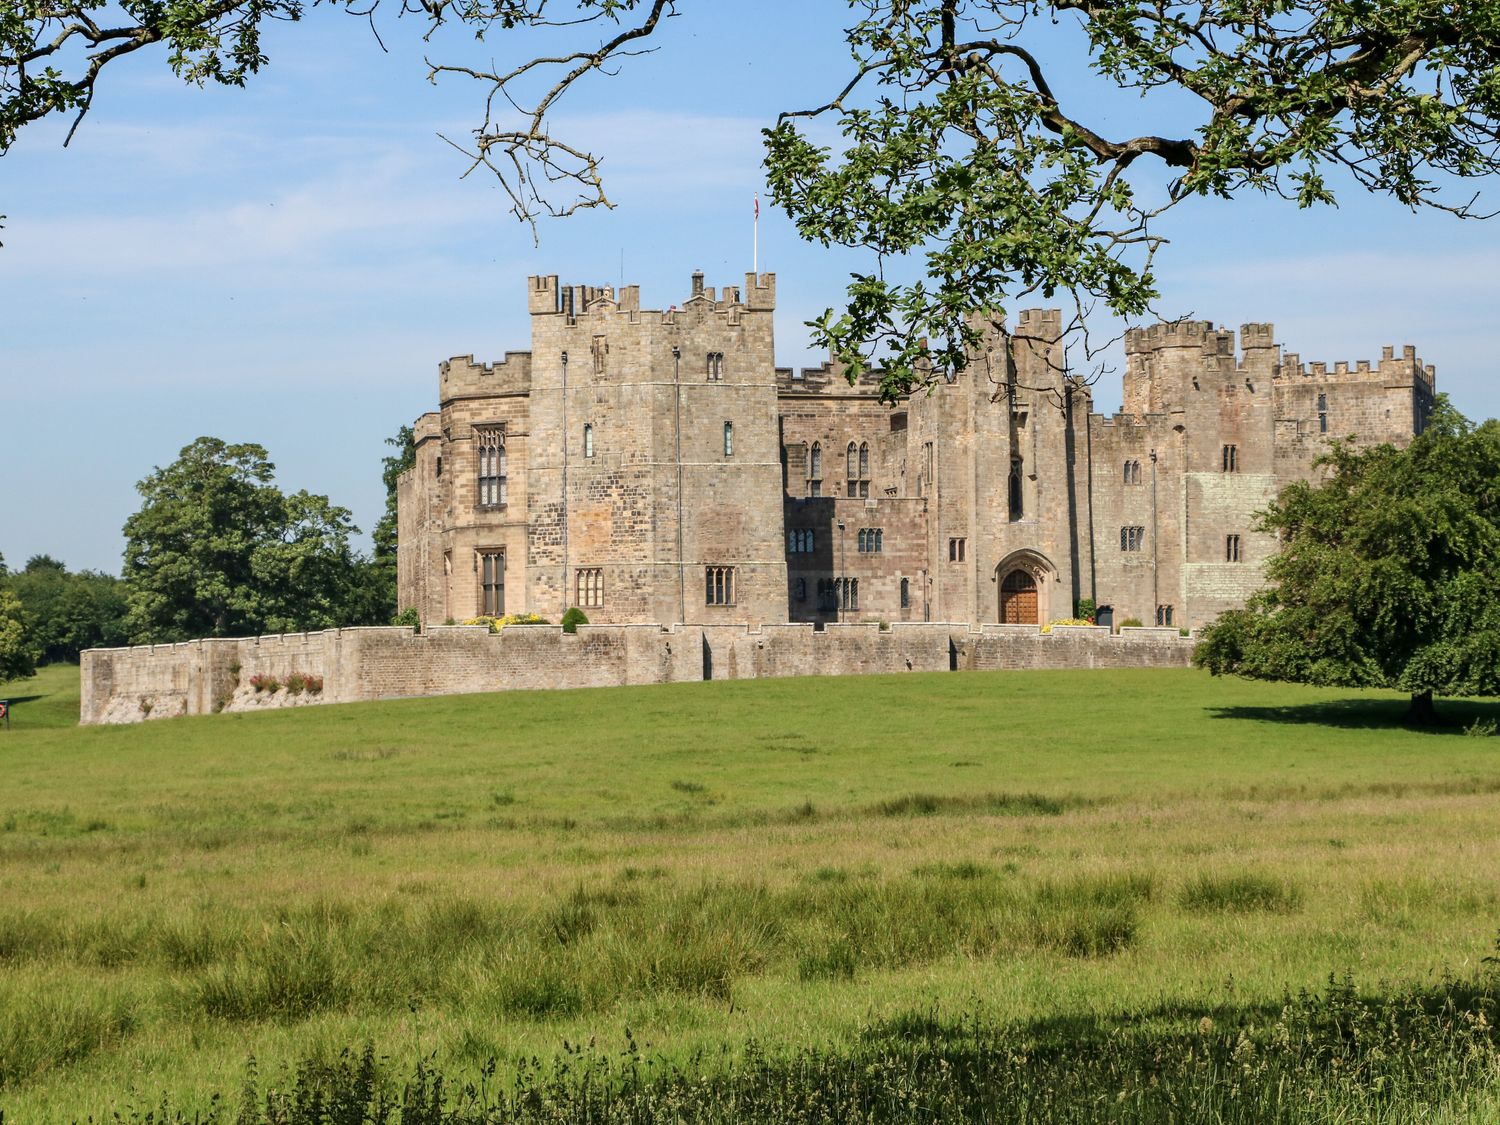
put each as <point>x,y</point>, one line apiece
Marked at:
<point>1018,599</point>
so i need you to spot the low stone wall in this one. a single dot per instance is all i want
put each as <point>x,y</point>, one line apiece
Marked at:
<point>1074,646</point>
<point>350,665</point>
<point>838,650</point>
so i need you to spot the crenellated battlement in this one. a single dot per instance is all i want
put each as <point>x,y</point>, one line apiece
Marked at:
<point>1407,369</point>
<point>546,297</point>
<point>1169,334</point>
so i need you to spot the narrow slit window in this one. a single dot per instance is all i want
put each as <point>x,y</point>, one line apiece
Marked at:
<point>492,583</point>
<point>849,593</point>
<point>906,593</point>
<point>728,439</point>
<point>588,440</point>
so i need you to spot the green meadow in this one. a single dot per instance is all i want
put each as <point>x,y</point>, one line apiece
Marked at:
<point>724,875</point>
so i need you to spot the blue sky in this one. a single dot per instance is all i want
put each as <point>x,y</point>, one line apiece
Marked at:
<point>287,264</point>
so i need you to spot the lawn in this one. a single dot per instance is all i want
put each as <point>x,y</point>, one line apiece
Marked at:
<point>781,862</point>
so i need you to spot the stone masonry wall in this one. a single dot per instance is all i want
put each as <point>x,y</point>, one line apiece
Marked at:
<point>128,685</point>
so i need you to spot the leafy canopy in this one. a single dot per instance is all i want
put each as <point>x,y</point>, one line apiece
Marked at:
<point>1387,571</point>
<point>17,651</point>
<point>66,612</point>
<point>968,159</point>
<point>216,549</point>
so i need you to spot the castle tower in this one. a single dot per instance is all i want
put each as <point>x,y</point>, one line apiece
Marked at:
<point>657,495</point>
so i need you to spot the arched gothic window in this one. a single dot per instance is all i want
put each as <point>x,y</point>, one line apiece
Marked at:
<point>492,482</point>
<point>815,462</point>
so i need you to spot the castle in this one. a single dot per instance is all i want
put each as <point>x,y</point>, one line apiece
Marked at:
<point>657,466</point>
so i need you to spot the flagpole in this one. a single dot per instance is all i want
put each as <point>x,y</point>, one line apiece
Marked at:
<point>755,252</point>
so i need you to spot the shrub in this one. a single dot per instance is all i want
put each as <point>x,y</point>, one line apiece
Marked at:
<point>1480,728</point>
<point>263,682</point>
<point>314,684</point>
<point>573,618</point>
<point>296,683</point>
<point>1131,623</point>
<point>408,617</point>
<point>1087,609</point>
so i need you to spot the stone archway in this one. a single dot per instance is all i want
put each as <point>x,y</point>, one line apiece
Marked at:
<point>1018,604</point>
<point>1024,579</point>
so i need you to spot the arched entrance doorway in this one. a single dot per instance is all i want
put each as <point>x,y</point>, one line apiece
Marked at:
<point>1018,599</point>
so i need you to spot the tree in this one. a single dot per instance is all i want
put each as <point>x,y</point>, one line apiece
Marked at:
<point>383,566</point>
<point>964,143</point>
<point>17,654</point>
<point>65,613</point>
<point>217,550</point>
<point>1386,576</point>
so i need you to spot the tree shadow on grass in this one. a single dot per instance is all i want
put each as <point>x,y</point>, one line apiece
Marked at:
<point>1338,1053</point>
<point>1456,715</point>
<point>15,700</point>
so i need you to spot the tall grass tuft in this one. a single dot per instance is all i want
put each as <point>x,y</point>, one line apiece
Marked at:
<point>47,1028</point>
<point>994,804</point>
<point>1240,893</point>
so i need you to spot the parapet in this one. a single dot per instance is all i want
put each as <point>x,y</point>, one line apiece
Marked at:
<point>543,295</point>
<point>1257,336</point>
<point>827,377</point>
<point>1171,334</point>
<point>760,291</point>
<point>462,376</point>
<point>1407,369</point>
<point>1039,324</point>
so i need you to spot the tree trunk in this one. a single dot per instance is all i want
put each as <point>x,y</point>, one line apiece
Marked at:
<point>1422,713</point>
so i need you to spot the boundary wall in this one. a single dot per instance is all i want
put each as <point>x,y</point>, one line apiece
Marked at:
<point>125,685</point>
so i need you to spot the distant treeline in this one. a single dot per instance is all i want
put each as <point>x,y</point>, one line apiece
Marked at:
<point>216,549</point>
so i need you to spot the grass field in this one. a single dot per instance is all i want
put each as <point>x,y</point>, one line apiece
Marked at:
<point>784,863</point>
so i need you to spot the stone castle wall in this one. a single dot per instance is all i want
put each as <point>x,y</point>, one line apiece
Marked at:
<point>127,685</point>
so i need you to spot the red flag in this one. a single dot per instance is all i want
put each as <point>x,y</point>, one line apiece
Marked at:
<point>757,206</point>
